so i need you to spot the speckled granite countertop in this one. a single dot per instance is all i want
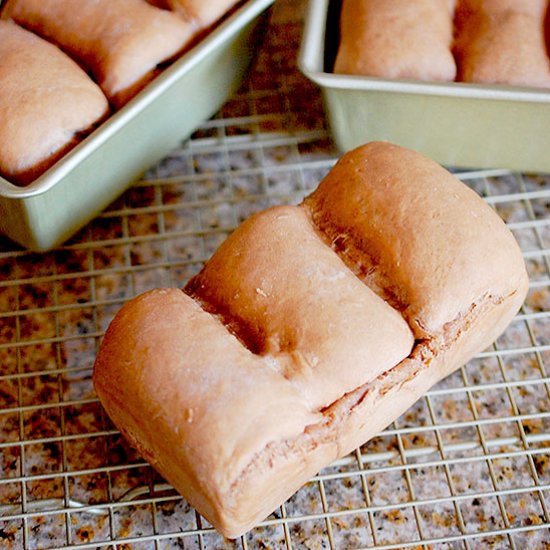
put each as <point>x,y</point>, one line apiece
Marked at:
<point>466,467</point>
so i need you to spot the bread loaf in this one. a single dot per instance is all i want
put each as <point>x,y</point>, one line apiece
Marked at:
<point>311,329</point>
<point>47,104</point>
<point>502,42</point>
<point>121,42</point>
<point>396,39</point>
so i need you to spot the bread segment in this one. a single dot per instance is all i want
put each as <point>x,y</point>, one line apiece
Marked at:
<point>207,386</point>
<point>502,42</point>
<point>396,39</point>
<point>47,104</point>
<point>196,402</point>
<point>120,42</point>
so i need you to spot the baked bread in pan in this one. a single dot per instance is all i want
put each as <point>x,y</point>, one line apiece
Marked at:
<point>121,42</point>
<point>396,39</point>
<point>47,104</point>
<point>502,42</point>
<point>310,330</point>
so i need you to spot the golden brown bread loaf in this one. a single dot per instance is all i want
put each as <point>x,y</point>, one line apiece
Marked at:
<point>396,39</point>
<point>121,42</point>
<point>502,42</point>
<point>47,104</point>
<point>311,329</point>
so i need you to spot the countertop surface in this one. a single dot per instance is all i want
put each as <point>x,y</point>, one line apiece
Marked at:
<point>466,467</point>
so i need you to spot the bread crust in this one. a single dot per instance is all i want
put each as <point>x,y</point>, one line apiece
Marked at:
<point>121,42</point>
<point>207,401</point>
<point>396,39</point>
<point>502,42</point>
<point>47,104</point>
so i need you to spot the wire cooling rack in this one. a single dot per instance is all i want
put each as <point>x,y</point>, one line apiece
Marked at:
<point>467,467</point>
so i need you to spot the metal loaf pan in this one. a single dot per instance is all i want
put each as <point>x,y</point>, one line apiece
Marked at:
<point>57,204</point>
<point>463,125</point>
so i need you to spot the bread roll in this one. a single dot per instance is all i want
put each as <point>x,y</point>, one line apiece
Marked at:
<point>396,39</point>
<point>47,104</point>
<point>502,42</point>
<point>121,42</point>
<point>198,12</point>
<point>311,329</point>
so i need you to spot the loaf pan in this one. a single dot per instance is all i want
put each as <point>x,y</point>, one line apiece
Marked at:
<point>457,124</point>
<point>62,200</point>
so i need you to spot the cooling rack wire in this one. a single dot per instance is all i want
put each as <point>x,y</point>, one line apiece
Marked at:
<point>467,467</point>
